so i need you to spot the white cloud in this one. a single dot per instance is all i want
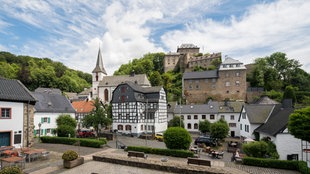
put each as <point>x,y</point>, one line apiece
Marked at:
<point>264,29</point>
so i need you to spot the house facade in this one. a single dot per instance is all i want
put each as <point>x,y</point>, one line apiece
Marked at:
<point>50,105</point>
<point>192,114</point>
<point>137,110</point>
<point>17,112</point>
<point>104,85</point>
<point>227,82</point>
<point>82,108</point>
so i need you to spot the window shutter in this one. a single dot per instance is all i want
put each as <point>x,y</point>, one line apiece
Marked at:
<point>48,119</point>
<point>35,132</point>
<point>42,120</point>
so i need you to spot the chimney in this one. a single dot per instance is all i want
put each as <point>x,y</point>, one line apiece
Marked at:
<point>132,73</point>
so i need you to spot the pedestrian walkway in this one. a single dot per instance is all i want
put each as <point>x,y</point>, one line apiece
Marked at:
<point>54,164</point>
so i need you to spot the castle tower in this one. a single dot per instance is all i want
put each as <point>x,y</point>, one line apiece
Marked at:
<point>98,73</point>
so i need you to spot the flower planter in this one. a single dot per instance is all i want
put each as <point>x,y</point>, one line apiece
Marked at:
<point>73,163</point>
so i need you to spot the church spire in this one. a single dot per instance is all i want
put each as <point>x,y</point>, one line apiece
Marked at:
<point>99,65</point>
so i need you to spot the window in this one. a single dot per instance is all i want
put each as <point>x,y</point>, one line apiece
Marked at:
<point>237,83</point>
<point>243,115</point>
<point>190,87</point>
<point>127,116</point>
<point>232,124</point>
<point>197,86</point>
<point>227,83</point>
<point>45,120</point>
<point>5,112</point>
<point>128,127</point>
<point>189,126</point>
<point>232,117</point>
<point>237,74</point>
<point>247,128</point>
<point>231,65</point>
<point>195,117</point>
<point>196,126</point>
<point>120,127</point>
<point>188,117</point>
<point>212,117</point>
<point>203,117</point>
<point>106,95</point>
<point>223,117</point>
<point>240,126</point>
<point>213,80</point>
<point>141,127</point>
<point>182,117</point>
<point>224,66</point>
<point>123,98</point>
<point>96,76</point>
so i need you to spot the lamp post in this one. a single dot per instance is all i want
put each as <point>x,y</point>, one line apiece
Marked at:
<point>39,131</point>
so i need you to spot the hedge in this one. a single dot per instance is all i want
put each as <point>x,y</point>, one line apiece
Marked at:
<point>300,166</point>
<point>158,151</point>
<point>73,141</point>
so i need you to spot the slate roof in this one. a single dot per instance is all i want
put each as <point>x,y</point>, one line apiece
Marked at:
<point>277,122</point>
<point>48,90</point>
<point>53,103</point>
<point>230,107</point>
<point>266,100</point>
<point>229,60</point>
<point>83,106</point>
<point>140,79</point>
<point>99,65</point>
<point>210,108</point>
<point>15,91</point>
<point>188,46</point>
<point>200,75</point>
<point>257,114</point>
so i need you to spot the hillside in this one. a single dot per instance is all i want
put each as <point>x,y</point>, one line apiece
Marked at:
<point>42,72</point>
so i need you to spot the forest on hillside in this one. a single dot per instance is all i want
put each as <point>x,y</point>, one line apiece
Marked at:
<point>42,72</point>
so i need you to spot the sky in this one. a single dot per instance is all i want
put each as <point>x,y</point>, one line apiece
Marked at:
<point>72,31</point>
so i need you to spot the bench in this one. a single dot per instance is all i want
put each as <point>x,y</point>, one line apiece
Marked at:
<point>198,161</point>
<point>137,154</point>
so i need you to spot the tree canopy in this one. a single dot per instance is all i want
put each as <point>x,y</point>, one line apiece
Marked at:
<point>219,129</point>
<point>177,138</point>
<point>204,126</point>
<point>42,72</point>
<point>298,124</point>
<point>65,126</point>
<point>175,122</point>
<point>98,116</point>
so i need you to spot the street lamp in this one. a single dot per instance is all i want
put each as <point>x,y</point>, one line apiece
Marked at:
<point>39,131</point>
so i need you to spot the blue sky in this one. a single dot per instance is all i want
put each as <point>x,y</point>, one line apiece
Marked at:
<point>72,31</point>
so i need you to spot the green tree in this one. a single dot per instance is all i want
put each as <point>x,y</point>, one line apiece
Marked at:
<point>256,149</point>
<point>97,116</point>
<point>66,120</point>
<point>289,93</point>
<point>298,124</point>
<point>175,122</point>
<point>177,138</point>
<point>204,126</point>
<point>219,129</point>
<point>65,125</point>
<point>155,79</point>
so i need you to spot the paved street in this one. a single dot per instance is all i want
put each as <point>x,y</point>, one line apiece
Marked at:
<point>54,164</point>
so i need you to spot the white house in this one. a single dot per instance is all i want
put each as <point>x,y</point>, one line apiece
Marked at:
<point>230,111</point>
<point>192,114</point>
<point>137,110</point>
<point>50,105</point>
<point>16,119</point>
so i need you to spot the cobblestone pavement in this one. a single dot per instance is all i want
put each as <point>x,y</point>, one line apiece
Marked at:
<point>54,164</point>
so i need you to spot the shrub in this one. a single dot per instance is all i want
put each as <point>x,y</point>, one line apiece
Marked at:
<point>74,141</point>
<point>66,120</point>
<point>177,138</point>
<point>271,163</point>
<point>158,151</point>
<point>256,149</point>
<point>65,130</point>
<point>11,170</point>
<point>70,155</point>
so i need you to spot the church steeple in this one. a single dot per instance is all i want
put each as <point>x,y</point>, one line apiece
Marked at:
<point>99,65</point>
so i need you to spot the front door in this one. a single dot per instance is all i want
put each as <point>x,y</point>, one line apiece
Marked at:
<point>5,138</point>
<point>232,133</point>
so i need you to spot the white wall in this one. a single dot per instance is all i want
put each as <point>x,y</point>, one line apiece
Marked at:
<point>287,144</point>
<point>15,124</point>
<point>52,116</point>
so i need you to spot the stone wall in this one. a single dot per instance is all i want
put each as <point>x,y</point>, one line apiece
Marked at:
<point>31,125</point>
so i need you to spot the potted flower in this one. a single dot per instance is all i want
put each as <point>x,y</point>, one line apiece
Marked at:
<point>72,159</point>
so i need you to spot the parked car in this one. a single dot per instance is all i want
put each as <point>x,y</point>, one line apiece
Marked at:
<point>85,133</point>
<point>208,141</point>
<point>159,137</point>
